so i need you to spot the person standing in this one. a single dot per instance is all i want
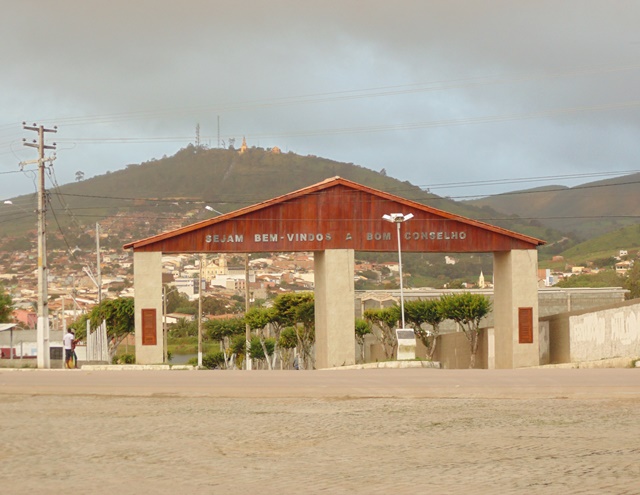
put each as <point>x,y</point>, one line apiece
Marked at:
<point>67,342</point>
<point>74,356</point>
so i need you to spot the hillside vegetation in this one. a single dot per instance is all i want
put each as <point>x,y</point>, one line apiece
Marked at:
<point>145,199</point>
<point>587,211</point>
<point>606,246</point>
<point>157,194</point>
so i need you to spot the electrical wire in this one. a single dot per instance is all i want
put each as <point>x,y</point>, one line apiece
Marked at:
<point>555,112</point>
<point>343,95</point>
<point>247,199</point>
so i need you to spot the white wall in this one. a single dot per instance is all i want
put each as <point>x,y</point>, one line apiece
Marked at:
<point>605,334</point>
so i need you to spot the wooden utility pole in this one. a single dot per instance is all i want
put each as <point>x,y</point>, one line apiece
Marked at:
<point>43,359</point>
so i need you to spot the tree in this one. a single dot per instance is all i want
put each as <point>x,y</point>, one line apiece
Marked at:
<point>632,281</point>
<point>605,278</point>
<point>214,360</point>
<point>287,343</point>
<point>184,328</point>
<point>467,310</point>
<point>175,300</point>
<point>238,349</point>
<point>79,175</point>
<point>258,320</point>
<point>226,331</point>
<point>387,321</point>
<point>119,316</point>
<point>185,310</point>
<point>306,331</point>
<point>261,350</point>
<point>429,312</point>
<point>213,306</point>
<point>6,306</point>
<point>362,329</point>
<point>297,310</point>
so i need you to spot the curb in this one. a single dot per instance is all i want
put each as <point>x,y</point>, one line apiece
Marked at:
<point>387,365</point>
<point>137,367</point>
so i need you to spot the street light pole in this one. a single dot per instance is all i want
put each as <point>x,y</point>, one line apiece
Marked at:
<point>165,331</point>
<point>164,325</point>
<point>399,219</point>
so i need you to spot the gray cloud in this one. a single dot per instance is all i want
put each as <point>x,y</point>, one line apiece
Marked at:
<point>496,85</point>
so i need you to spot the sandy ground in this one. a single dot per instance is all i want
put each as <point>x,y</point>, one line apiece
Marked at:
<point>335,432</point>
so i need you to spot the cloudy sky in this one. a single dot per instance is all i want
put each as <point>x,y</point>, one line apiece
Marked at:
<point>462,97</point>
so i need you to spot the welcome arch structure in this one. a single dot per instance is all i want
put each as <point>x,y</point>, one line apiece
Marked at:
<point>333,219</point>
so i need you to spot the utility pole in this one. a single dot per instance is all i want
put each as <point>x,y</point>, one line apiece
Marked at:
<point>98,263</point>
<point>200,312</point>
<point>247,328</point>
<point>43,359</point>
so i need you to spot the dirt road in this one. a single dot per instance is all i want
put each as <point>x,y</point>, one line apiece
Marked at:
<point>338,432</point>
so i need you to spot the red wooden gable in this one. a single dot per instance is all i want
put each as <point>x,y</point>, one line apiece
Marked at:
<point>336,214</point>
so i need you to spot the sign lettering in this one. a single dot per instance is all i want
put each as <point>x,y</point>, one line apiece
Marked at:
<point>294,237</point>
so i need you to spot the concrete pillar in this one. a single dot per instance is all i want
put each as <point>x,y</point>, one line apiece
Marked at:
<point>515,278</point>
<point>147,286</point>
<point>334,298</point>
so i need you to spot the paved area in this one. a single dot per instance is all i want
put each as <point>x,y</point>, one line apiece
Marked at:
<point>382,383</point>
<point>353,431</point>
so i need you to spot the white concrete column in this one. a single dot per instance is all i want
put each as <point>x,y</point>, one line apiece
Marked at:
<point>147,286</point>
<point>515,279</point>
<point>334,308</point>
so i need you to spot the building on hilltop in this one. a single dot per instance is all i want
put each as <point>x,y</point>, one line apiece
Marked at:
<point>244,146</point>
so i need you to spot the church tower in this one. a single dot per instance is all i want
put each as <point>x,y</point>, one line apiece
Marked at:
<point>244,146</point>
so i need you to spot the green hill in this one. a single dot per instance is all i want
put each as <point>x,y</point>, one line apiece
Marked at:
<point>605,246</point>
<point>152,197</point>
<point>588,210</point>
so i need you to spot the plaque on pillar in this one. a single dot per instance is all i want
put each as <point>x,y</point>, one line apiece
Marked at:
<point>406,343</point>
<point>149,335</point>
<point>525,325</point>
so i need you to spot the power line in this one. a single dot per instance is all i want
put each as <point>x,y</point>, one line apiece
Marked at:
<point>351,94</point>
<point>373,128</point>
<point>516,180</point>
<point>240,201</point>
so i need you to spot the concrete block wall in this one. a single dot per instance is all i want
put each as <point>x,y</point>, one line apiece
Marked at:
<point>590,335</point>
<point>551,300</point>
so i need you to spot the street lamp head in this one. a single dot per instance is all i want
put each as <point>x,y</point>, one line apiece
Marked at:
<point>207,207</point>
<point>397,217</point>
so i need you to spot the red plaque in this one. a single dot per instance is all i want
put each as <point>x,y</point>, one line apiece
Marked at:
<point>149,336</point>
<point>525,325</point>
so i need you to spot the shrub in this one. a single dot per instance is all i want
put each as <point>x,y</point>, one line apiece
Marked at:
<point>212,361</point>
<point>123,359</point>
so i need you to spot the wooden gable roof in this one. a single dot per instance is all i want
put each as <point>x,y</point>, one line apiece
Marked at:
<point>336,214</point>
